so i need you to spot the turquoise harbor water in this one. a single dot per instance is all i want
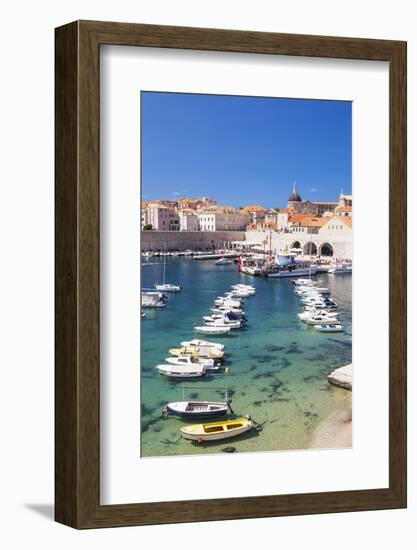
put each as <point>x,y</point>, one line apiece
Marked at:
<point>278,365</point>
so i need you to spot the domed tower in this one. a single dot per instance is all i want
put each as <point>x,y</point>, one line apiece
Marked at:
<point>294,199</point>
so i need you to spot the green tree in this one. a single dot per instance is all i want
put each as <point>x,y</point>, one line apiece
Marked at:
<point>277,209</point>
<point>147,227</point>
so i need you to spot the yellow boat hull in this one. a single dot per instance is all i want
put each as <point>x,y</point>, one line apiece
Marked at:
<point>190,351</point>
<point>213,431</point>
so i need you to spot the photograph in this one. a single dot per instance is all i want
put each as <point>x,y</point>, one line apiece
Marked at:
<point>246,274</point>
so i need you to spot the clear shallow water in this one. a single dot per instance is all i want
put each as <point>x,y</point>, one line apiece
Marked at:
<point>278,365</point>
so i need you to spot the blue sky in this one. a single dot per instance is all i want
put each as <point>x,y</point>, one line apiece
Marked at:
<point>244,150</point>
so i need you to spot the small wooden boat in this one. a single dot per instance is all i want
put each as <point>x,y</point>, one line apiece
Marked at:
<point>202,343</point>
<point>202,352</point>
<point>217,430</point>
<point>196,409</point>
<point>329,328</point>
<point>181,371</point>
<point>213,330</point>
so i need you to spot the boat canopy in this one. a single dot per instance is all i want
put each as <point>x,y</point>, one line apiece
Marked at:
<point>284,259</point>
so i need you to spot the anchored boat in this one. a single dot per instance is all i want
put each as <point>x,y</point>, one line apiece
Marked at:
<point>181,371</point>
<point>199,409</point>
<point>204,352</point>
<point>329,328</point>
<point>202,343</point>
<point>211,330</point>
<point>190,361</point>
<point>213,431</point>
<point>153,299</point>
<point>223,261</point>
<point>167,287</point>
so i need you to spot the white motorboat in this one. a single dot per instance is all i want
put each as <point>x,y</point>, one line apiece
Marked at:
<point>316,313</point>
<point>210,318</point>
<point>181,371</point>
<point>319,319</point>
<point>226,309</point>
<point>304,291</point>
<point>340,269</point>
<point>319,303</point>
<point>196,409</point>
<point>305,282</point>
<point>329,328</point>
<point>224,323</point>
<point>243,288</point>
<point>202,343</point>
<point>223,261</point>
<point>237,294</point>
<point>228,302</point>
<point>189,359</point>
<point>168,287</point>
<point>153,299</point>
<point>212,330</point>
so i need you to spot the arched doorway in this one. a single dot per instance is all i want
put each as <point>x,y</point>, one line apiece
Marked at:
<point>326,249</point>
<point>310,249</point>
<point>296,247</point>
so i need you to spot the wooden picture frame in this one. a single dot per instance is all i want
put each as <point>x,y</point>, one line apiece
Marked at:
<point>77,405</point>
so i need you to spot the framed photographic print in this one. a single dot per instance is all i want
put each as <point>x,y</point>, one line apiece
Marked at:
<point>230,274</point>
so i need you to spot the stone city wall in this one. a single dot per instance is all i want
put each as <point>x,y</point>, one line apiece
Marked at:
<point>193,240</point>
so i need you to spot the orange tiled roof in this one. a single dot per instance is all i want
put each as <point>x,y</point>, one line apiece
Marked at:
<point>144,205</point>
<point>347,220</point>
<point>314,222</point>
<point>254,208</point>
<point>286,211</point>
<point>297,218</point>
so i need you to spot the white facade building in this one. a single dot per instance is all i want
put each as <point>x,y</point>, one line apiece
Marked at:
<point>223,219</point>
<point>188,221</point>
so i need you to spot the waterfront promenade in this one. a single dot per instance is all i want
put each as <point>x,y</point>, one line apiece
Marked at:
<point>180,241</point>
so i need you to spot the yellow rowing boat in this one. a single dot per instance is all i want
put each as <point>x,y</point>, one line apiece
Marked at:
<point>196,353</point>
<point>217,430</point>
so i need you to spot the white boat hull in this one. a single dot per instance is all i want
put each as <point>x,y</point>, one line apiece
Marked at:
<point>294,273</point>
<point>211,331</point>
<point>179,372</point>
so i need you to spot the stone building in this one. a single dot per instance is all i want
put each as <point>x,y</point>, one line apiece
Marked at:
<point>297,205</point>
<point>188,219</point>
<point>163,218</point>
<point>223,218</point>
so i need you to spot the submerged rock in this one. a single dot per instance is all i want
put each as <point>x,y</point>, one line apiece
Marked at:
<point>342,377</point>
<point>228,449</point>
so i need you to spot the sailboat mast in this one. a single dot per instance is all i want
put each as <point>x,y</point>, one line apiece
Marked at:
<point>165,259</point>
